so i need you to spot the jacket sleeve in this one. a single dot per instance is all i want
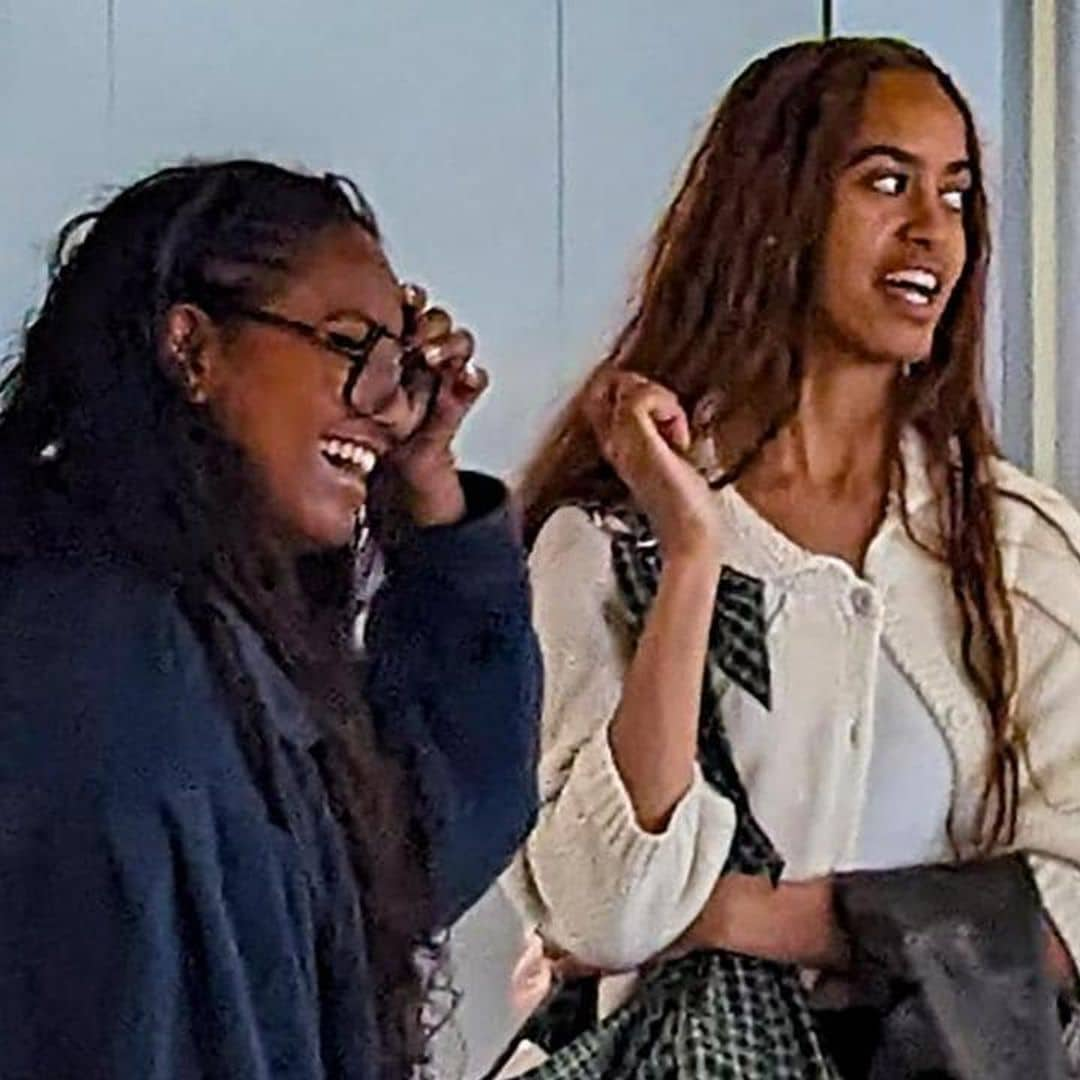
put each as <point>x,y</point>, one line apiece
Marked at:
<point>455,683</point>
<point>597,884</point>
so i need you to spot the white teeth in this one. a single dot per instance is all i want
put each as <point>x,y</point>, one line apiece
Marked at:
<point>346,451</point>
<point>919,279</point>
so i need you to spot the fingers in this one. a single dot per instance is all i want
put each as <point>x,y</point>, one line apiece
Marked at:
<point>445,386</point>
<point>618,403</point>
<point>433,332</point>
<point>460,388</point>
<point>532,976</point>
<point>430,325</point>
<point>450,351</point>
<point>413,301</point>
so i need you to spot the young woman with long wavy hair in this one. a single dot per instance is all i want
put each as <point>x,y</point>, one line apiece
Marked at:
<point>783,476</point>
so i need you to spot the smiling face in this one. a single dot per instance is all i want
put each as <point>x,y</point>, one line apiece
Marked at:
<point>278,395</point>
<point>895,245</point>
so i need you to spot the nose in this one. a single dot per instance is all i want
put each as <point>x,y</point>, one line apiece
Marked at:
<point>927,217</point>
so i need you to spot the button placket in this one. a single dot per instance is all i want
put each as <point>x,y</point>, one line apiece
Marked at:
<point>864,605</point>
<point>862,601</point>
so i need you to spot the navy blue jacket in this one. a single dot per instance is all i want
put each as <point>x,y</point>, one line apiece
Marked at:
<point>156,923</point>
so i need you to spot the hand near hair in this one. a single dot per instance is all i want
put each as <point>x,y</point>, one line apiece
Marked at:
<point>438,396</point>
<point>644,433</point>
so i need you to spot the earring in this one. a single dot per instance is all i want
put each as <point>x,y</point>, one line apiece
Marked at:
<point>361,532</point>
<point>184,353</point>
<point>193,387</point>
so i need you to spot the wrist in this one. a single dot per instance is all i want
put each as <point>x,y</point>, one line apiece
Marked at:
<point>432,492</point>
<point>441,506</point>
<point>693,543</point>
<point>695,562</point>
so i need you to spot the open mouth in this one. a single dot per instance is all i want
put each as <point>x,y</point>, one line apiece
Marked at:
<point>353,458</point>
<point>916,286</point>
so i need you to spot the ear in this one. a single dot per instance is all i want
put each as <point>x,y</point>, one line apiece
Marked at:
<point>188,351</point>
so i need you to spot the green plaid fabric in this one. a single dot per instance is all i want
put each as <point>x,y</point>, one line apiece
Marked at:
<point>707,1015</point>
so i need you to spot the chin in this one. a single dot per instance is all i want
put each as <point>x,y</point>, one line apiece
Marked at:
<point>899,349</point>
<point>322,533</point>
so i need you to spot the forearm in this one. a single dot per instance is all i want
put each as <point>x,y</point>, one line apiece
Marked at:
<point>795,922</point>
<point>654,731</point>
<point>454,681</point>
<point>791,923</point>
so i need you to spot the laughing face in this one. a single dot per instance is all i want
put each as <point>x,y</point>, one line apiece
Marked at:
<point>895,244</point>
<point>276,391</point>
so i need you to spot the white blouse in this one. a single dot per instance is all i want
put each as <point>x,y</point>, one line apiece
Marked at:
<point>908,783</point>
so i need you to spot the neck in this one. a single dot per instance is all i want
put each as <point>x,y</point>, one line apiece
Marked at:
<point>842,435</point>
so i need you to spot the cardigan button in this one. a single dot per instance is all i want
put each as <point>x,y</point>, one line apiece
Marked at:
<point>862,600</point>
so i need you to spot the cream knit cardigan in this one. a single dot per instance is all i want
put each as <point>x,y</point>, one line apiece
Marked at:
<point>615,895</point>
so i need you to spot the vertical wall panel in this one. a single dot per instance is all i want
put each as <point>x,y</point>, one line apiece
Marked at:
<point>641,81</point>
<point>53,97</point>
<point>1068,236</point>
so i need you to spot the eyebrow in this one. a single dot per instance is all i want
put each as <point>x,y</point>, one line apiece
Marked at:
<point>903,157</point>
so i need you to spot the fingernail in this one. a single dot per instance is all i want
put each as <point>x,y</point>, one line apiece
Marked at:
<point>472,377</point>
<point>432,354</point>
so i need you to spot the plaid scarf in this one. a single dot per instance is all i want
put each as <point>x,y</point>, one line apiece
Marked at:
<point>708,1014</point>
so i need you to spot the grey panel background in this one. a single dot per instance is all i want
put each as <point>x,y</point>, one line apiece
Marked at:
<point>53,102</point>
<point>642,79</point>
<point>1068,219</point>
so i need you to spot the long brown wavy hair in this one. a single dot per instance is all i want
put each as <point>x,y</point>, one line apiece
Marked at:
<point>719,318</point>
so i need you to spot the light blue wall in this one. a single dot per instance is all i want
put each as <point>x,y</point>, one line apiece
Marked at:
<point>53,91</point>
<point>642,79</point>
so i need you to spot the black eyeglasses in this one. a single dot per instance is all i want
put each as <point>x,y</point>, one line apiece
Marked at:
<point>380,352</point>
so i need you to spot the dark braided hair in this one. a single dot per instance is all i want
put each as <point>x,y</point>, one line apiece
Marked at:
<point>100,452</point>
<point>720,314</point>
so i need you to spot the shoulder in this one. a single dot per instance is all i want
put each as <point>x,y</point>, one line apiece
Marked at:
<point>70,615</point>
<point>578,609</point>
<point>102,679</point>
<point>1039,533</point>
<point>1032,511</point>
<point>572,543</point>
